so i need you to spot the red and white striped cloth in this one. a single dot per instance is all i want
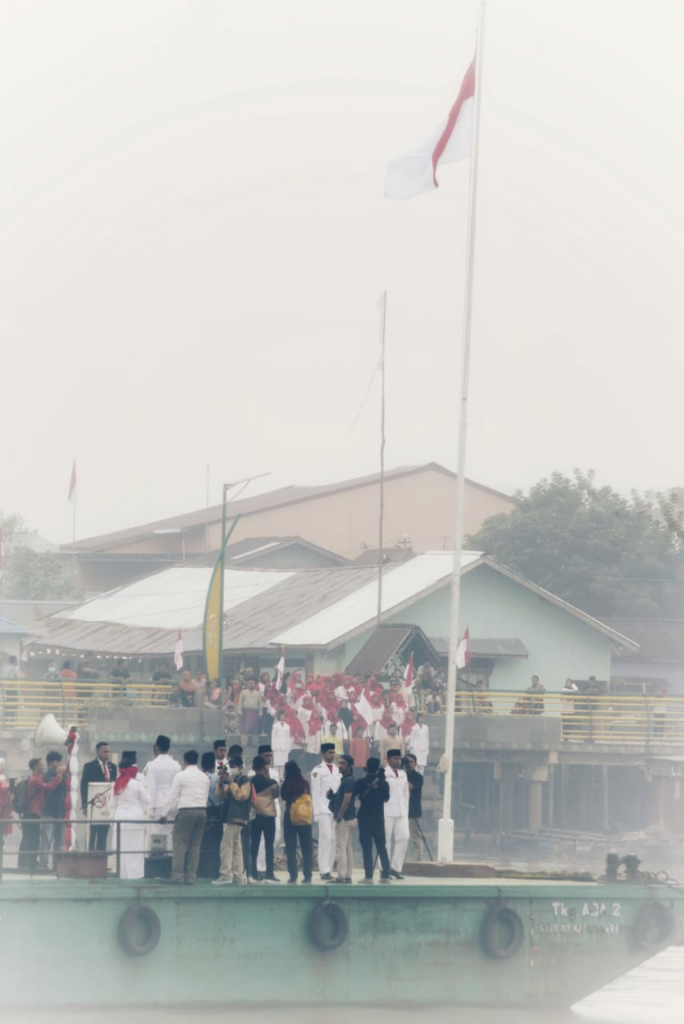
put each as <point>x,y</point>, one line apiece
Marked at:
<point>416,172</point>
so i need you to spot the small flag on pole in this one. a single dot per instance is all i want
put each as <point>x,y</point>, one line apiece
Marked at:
<point>280,669</point>
<point>416,172</point>
<point>463,651</point>
<point>408,674</point>
<point>72,485</point>
<point>178,653</point>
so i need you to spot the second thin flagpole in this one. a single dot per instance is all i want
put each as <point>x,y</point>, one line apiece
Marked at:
<point>381,520</point>
<point>445,830</point>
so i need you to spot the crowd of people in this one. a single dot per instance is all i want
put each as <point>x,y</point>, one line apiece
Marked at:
<point>225,823</point>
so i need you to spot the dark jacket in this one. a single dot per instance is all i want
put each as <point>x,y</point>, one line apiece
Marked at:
<point>54,801</point>
<point>236,800</point>
<point>373,793</point>
<point>92,772</point>
<point>415,779</point>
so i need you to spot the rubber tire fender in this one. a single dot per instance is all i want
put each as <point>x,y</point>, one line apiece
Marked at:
<point>489,930</point>
<point>650,916</point>
<point>319,926</point>
<point>129,927</point>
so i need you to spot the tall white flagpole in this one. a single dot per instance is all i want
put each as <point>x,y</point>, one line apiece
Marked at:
<point>381,516</point>
<point>445,831</point>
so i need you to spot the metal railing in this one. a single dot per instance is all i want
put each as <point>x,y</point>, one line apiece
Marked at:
<point>585,718</point>
<point>24,702</point>
<point>34,856</point>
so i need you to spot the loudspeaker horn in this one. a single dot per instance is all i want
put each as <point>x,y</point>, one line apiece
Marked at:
<point>49,733</point>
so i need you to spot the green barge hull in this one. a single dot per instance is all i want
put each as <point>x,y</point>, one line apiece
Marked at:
<point>471,942</point>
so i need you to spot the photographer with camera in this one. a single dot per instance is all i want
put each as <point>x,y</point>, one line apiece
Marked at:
<point>234,793</point>
<point>373,793</point>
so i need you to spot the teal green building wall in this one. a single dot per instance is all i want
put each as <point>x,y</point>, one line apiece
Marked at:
<point>495,606</point>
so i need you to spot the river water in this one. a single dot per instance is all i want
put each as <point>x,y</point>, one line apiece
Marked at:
<point>652,994</point>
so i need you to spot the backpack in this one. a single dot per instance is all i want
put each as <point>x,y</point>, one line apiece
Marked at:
<point>20,801</point>
<point>301,810</point>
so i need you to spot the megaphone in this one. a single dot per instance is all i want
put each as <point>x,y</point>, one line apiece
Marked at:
<point>49,733</point>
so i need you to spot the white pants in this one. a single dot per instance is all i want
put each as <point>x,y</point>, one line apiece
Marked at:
<point>397,837</point>
<point>326,843</point>
<point>421,766</point>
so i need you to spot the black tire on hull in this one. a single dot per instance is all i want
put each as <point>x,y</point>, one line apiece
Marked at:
<point>139,930</point>
<point>501,933</point>
<point>328,926</point>
<point>653,926</point>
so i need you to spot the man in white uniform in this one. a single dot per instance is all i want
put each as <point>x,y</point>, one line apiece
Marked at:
<point>419,743</point>
<point>396,813</point>
<point>281,741</point>
<point>324,778</point>
<point>159,775</point>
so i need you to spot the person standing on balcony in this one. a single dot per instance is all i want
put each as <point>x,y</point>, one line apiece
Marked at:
<point>159,775</point>
<point>419,743</point>
<point>536,691</point>
<point>281,741</point>
<point>249,709</point>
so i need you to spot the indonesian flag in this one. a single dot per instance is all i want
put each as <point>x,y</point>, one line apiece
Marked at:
<point>463,651</point>
<point>416,172</point>
<point>178,653</point>
<point>280,669</point>
<point>364,706</point>
<point>72,485</point>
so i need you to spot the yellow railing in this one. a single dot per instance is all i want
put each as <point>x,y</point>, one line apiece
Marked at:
<point>585,718</point>
<point>24,702</point>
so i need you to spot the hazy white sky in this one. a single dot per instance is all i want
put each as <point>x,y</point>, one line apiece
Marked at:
<point>194,240</point>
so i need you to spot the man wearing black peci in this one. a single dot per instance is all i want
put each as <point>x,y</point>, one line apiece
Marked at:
<point>373,793</point>
<point>99,770</point>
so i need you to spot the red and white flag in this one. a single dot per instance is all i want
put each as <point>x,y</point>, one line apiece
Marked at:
<point>416,172</point>
<point>72,485</point>
<point>463,651</point>
<point>408,674</point>
<point>280,669</point>
<point>178,653</point>
<point>364,706</point>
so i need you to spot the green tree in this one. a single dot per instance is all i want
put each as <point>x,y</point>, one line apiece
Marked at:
<point>34,575</point>
<point>606,554</point>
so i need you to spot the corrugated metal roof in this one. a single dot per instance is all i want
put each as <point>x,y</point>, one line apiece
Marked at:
<point>401,584</point>
<point>174,599</point>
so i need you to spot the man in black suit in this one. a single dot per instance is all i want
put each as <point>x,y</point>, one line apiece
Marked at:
<point>99,770</point>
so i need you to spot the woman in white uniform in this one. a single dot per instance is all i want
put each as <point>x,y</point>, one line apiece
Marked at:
<point>131,804</point>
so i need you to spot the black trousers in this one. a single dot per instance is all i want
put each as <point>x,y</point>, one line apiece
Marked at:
<point>98,837</point>
<point>373,831</point>
<point>262,826</point>
<point>30,842</point>
<point>246,859</point>
<point>303,833</point>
